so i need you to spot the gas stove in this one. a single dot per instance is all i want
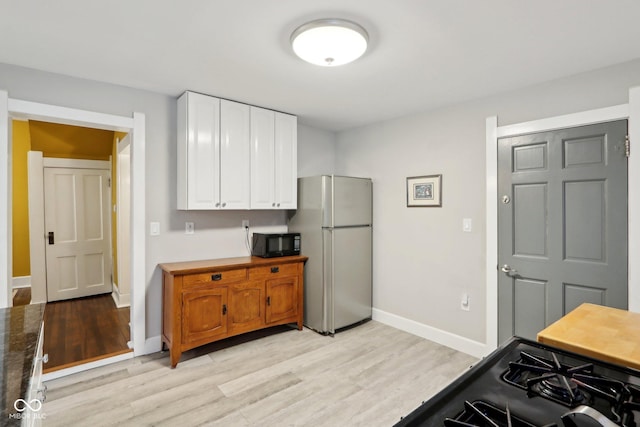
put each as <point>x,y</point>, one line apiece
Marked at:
<point>528,384</point>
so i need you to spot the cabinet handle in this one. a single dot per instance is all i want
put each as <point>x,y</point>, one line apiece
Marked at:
<point>273,205</point>
<point>275,269</point>
<point>216,277</point>
<point>44,358</point>
<point>51,238</point>
<point>217,204</point>
<point>224,309</point>
<point>278,204</point>
<point>224,204</point>
<point>268,300</point>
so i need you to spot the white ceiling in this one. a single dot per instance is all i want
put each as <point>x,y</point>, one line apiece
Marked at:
<point>423,54</point>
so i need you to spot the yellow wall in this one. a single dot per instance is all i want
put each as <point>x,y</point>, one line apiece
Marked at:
<point>71,142</point>
<point>54,140</point>
<point>20,227</point>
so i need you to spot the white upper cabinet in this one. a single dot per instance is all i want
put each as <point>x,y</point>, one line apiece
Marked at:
<point>213,153</point>
<point>273,160</point>
<point>198,151</point>
<point>234,156</point>
<point>286,161</point>
<point>235,169</point>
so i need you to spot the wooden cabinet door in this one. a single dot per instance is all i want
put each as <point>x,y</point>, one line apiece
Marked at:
<point>246,307</point>
<point>282,299</point>
<point>205,314</point>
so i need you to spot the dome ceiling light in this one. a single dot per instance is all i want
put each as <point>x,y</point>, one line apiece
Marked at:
<point>329,42</point>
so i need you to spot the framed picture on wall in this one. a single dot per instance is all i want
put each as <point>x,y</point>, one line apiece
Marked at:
<point>424,191</point>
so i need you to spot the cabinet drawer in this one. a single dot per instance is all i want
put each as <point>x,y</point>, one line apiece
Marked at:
<point>215,277</point>
<point>273,271</point>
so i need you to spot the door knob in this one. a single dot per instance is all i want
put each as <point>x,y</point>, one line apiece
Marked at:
<point>509,271</point>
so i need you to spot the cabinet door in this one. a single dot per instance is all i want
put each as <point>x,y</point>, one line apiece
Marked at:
<point>262,158</point>
<point>205,314</point>
<point>286,161</point>
<point>246,307</point>
<point>198,152</point>
<point>282,299</point>
<point>235,171</point>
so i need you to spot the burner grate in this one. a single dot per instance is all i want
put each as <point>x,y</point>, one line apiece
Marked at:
<point>553,380</point>
<point>629,409</point>
<point>485,414</point>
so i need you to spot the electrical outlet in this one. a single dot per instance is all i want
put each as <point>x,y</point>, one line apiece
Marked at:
<point>245,223</point>
<point>189,228</point>
<point>465,303</point>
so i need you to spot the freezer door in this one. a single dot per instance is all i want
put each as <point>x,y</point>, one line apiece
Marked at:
<point>347,201</point>
<point>350,286</point>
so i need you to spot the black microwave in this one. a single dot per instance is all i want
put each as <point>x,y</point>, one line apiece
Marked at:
<point>274,245</point>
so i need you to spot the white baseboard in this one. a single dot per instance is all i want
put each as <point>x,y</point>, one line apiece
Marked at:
<point>21,282</point>
<point>121,300</point>
<point>86,366</point>
<point>465,345</point>
<point>153,345</point>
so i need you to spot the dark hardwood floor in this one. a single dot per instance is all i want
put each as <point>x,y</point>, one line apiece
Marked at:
<point>81,330</point>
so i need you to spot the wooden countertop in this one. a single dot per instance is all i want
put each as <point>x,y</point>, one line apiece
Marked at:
<point>604,333</point>
<point>221,264</point>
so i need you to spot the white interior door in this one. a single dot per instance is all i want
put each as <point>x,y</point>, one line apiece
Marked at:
<point>77,227</point>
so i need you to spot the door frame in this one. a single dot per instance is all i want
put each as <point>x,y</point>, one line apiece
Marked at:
<point>123,243</point>
<point>631,112</point>
<point>15,108</point>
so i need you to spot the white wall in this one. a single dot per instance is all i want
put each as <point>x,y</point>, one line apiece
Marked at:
<point>423,261</point>
<point>217,234</point>
<point>316,151</point>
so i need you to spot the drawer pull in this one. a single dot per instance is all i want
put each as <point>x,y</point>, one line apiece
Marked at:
<point>224,309</point>
<point>275,269</point>
<point>216,277</point>
<point>268,300</point>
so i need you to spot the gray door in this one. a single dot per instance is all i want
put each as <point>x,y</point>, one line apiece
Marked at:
<point>562,225</point>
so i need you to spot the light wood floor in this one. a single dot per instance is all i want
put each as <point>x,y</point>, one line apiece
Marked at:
<point>370,375</point>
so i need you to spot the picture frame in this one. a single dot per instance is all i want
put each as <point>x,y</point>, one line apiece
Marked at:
<point>424,191</point>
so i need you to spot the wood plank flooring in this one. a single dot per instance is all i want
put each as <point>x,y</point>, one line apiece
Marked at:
<point>84,329</point>
<point>370,375</point>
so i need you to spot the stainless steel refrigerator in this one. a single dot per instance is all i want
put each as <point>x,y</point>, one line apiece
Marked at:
<point>334,219</point>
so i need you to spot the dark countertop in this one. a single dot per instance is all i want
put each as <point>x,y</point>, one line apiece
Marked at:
<point>19,329</point>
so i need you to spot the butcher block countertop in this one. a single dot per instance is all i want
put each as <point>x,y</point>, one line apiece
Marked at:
<point>605,333</point>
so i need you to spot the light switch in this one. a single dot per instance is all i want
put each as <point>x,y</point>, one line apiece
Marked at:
<point>466,225</point>
<point>154,228</point>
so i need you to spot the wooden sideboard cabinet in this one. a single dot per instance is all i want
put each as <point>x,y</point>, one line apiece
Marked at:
<point>206,301</point>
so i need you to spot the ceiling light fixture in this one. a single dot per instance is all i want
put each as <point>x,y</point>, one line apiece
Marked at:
<point>329,42</point>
